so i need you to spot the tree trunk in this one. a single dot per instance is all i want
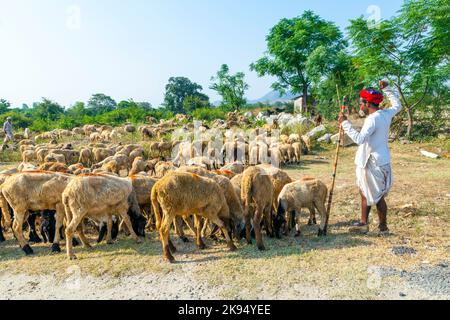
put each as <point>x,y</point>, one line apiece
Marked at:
<point>410,122</point>
<point>305,97</point>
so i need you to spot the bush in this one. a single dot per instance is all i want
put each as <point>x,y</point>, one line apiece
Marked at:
<point>19,120</point>
<point>209,114</point>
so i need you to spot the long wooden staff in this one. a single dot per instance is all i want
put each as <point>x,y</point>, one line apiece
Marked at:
<point>336,158</point>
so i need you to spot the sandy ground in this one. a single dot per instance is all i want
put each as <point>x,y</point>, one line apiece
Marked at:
<point>412,263</point>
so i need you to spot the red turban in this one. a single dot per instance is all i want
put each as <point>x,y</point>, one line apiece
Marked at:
<point>372,96</point>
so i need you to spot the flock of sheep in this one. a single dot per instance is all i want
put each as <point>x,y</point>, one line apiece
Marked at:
<point>216,189</point>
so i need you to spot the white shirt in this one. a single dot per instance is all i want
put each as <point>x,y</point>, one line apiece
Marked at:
<point>373,139</point>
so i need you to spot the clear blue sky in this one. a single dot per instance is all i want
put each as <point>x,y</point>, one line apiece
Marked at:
<point>129,49</point>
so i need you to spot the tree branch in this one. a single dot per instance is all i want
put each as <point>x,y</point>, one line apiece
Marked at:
<point>423,95</point>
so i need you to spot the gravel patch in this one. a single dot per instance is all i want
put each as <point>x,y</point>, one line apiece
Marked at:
<point>402,251</point>
<point>424,282</point>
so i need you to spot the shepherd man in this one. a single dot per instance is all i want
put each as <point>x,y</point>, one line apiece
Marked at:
<point>8,129</point>
<point>373,160</point>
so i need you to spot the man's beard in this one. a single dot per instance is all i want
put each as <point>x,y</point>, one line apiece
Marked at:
<point>362,113</point>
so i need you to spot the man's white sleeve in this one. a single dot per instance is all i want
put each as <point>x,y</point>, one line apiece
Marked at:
<point>359,137</point>
<point>396,105</point>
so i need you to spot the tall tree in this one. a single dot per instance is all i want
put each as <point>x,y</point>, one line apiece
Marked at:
<point>231,87</point>
<point>341,72</point>
<point>77,110</point>
<point>100,103</point>
<point>406,49</point>
<point>48,110</point>
<point>294,46</point>
<point>177,90</point>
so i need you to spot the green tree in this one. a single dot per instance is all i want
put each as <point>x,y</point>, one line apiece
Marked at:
<point>192,103</point>
<point>4,106</point>
<point>343,74</point>
<point>231,87</point>
<point>147,106</point>
<point>48,110</point>
<point>296,48</point>
<point>177,90</point>
<point>100,103</point>
<point>77,110</point>
<point>408,49</point>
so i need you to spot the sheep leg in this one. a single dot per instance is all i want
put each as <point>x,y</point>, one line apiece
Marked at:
<point>198,233</point>
<point>257,226</point>
<point>164,232</point>
<point>18,231</point>
<point>312,216</point>
<point>268,221</point>
<point>205,227</point>
<point>2,237</point>
<point>189,223</point>
<point>289,222</point>
<point>222,227</point>
<point>127,221</point>
<point>59,217</point>
<point>109,224</point>
<point>248,229</point>
<point>179,229</point>
<point>84,240</point>
<point>323,218</point>
<point>33,236</point>
<point>70,230</point>
<point>298,232</point>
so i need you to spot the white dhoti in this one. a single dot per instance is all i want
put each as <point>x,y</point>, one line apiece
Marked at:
<point>374,182</point>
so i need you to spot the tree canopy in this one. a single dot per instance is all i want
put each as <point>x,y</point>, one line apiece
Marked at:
<point>299,49</point>
<point>178,90</point>
<point>231,87</point>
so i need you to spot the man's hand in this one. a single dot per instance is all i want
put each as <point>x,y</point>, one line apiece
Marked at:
<point>383,84</point>
<point>342,118</point>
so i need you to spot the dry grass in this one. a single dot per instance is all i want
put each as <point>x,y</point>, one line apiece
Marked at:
<point>332,267</point>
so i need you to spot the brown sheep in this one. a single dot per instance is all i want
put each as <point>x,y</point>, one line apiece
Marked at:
<point>53,157</point>
<point>297,146</point>
<point>162,168</point>
<point>235,167</point>
<point>257,196</point>
<point>139,152</point>
<point>99,197</point>
<point>151,164</point>
<point>143,187</point>
<point>139,165</point>
<point>28,156</point>
<point>35,191</point>
<point>54,167</point>
<point>279,179</point>
<point>287,152</point>
<point>307,193</point>
<point>101,154</point>
<point>181,194</point>
<point>231,196</point>
<point>86,157</point>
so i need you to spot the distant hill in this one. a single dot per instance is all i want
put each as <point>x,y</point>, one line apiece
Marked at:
<point>270,98</point>
<point>274,96</point>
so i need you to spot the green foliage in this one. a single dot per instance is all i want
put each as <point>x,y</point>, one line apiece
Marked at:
<point>411,50</point>
<point>4,106</point>
<point>100,103</point>
<point>192,103</point>
<point>19,120</point>
<point>48,110</point>
<point>300,50</point>
<point>209,114</point>
<point>178,90</point>
<point>231,87</point>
